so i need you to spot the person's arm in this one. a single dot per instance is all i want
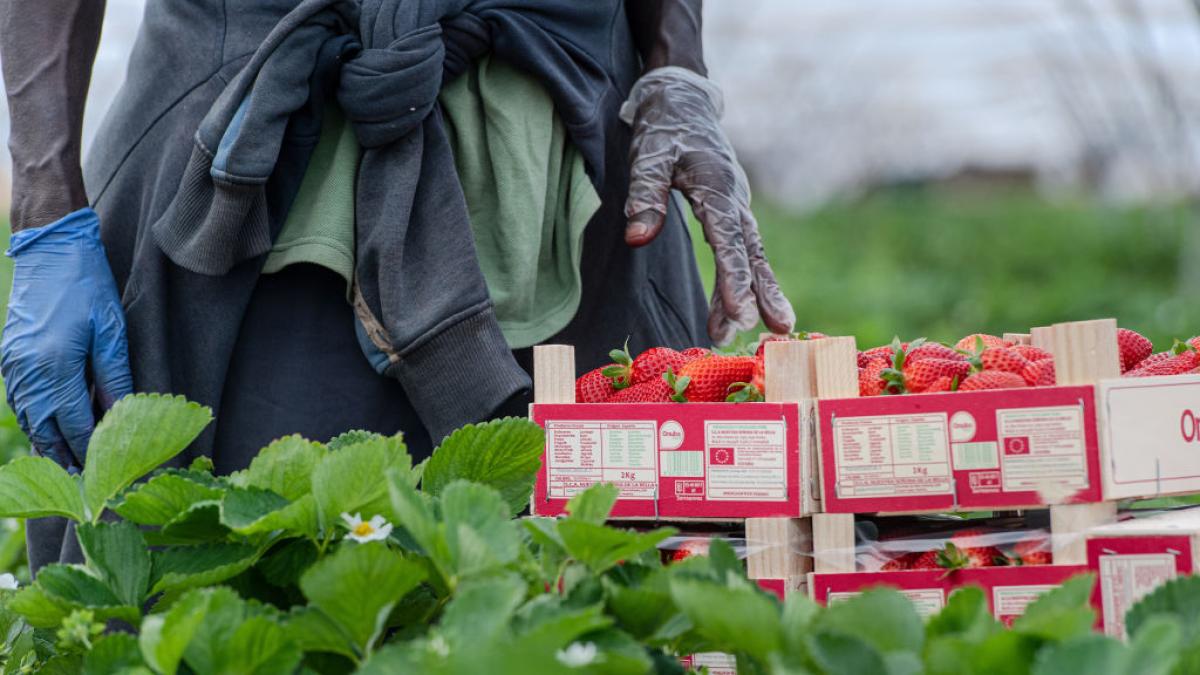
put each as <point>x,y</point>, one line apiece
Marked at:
<point>47,48</point>
<point>667,33</point>
<point>678,143</point>
<point>65,327</point>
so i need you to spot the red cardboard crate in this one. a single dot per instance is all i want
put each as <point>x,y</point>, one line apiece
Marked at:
<point>673,461</point>
<point>1009,589</point>
<point>1134,557</point>
<point>959,451</point>
<point>1150,436</point>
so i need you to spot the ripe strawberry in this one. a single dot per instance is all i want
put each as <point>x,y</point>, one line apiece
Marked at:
<point>898,564</point>
<point>1133,347</point>
<point>941,385</point>
<point>1040,373</point>
<point>1195,343</point>
<point>693,353</point>
<point>927,560</point>
<point>933,350</point>
<point>1149,361</point>
<point>1032,353</point>
<point>870,377</point>
<point>1032,551</point>
<point>594,387</point>
<point>919,376</point>
<point>1177,364</point>
<point>709,379</point>
<point>654,391</point>
<point>971,342</point>
<point>652,363</point>
<point>1003,359</point>
<point>966,549</point>
<point>689,548</point>
<point>884,351</point>
<point>992,379</point>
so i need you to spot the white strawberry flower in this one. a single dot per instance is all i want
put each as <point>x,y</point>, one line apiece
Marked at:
<point>362,531</point>
<point>8,582</point>
<point>577,655</point>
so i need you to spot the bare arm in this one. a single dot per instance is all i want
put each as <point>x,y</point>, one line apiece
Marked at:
<point>47,48</point>
<point>667,33</point>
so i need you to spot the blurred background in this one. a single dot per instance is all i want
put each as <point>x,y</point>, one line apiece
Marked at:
<point>934,167</point>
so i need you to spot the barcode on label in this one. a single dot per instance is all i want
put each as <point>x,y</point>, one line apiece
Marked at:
<point>970,456</point>
<point>681,464</point>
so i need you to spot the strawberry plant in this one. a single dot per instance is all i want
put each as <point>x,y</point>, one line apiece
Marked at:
<point>346,556</point>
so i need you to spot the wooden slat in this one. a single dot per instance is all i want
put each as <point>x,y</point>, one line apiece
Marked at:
<point>836,363</point>
<point>1085,352</point>
<point>833,542</point>
<point>790,376</point>
<point>1069,525</point>
<point>553,374</point>
<point>1040,337</point>
<point>777,547</point>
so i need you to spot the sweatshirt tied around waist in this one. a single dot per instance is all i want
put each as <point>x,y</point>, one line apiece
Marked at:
<point>422,302</point>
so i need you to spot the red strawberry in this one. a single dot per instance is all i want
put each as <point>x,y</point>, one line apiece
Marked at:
<point>884,352</point>
<point>1002,358</point>
<point>654,391</point>
<point>709,379</point>
<point>1033,551</point>
<point>933,350</point>
<point>966,549</point>
<point>1195,343</point>
<point>920,375</point>
<point>941,385</point>
<point>1177,364</point>
<point>924,561</point>
<point>1151,360</point>
<point>992,379</point>
<point>1134,348</point>
<point>689,548</point>
<point>652,363</point>
<point>594,387</point>
<point>693,353</point>
<point>870,377</point>
<point>1032,353</point>
<point>971,342</point>
<point>1040,373</point>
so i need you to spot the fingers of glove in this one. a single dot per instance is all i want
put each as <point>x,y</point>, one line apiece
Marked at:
<point>721,329</point>
<point>649,193</point>
<point>74,417</point>
<point>773,305</point>
<point>724,235</point>
<point>46,440</point>
<point>110,356</point>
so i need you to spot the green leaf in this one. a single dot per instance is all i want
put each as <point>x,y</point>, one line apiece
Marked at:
<point>481,611</point>
<point>243,507</point>
<point>503,454</point>
<point>161,499</point>
<point>348,438</point>
<point>732,619</point>
<point>180,567</point>
<point>1153,652</point>
<point>117,552</point>
<point>1178,598</point>
<point>479,534</point>
<point>641,610</point>
<point>1061,613</point>
<point>358,586</point>
<point>285,467</point>
<point>843,654</point>
<point>165,637</point>
<point>33,487</point>
<point>139,432</point>
<point>414,512</point>
<point>38,608</point>
<point>259,646</point>
<point>965,615</point>
<point>353,479</point>
<point>113,653</point>
<point>600,547</point>
<point>200,523</point>
<point>883,618</point>
<point>298,518</point>
<point>314,631</point>
<point>72,586</point>
<point>799,612</point>
<point>593,504</point>
<point>285,563</point>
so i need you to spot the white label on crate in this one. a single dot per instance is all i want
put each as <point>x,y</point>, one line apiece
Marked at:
<point>681,464</point>
<point>581,454</point>
<point>746,461</point>
<point>1042,446</point>
<point>1153,434</point>
<point>1011,601</point>
<point>1125,579</point>
<point>718,663</point>
<point>928,601</point>
<point>892,455</point>
<point>971,456</point>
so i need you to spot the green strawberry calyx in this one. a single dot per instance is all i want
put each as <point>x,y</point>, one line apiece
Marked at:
<point>621,370</point>
<point>677,384</point>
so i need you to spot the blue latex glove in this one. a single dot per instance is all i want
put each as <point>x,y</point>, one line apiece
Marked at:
<point>65,326</point>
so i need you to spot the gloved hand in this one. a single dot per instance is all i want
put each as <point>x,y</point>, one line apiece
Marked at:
<point>64,315</point>
<point>678,143</point>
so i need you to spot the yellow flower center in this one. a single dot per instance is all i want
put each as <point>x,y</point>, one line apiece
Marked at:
<point>364,529</point>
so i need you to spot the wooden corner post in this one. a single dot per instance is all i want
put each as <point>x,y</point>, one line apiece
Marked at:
<point>835,360</point>
<point>553,374</point>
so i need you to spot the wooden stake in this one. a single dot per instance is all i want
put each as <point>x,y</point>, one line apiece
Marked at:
<point>553,374</point>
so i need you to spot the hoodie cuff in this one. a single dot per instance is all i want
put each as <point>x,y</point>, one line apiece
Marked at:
<point>460,375</point>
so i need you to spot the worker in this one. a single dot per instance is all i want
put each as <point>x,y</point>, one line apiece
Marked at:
<point>322,215</point>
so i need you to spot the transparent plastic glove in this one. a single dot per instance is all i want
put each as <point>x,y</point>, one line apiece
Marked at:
<point>65,325</point>
<point>678,143</point>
